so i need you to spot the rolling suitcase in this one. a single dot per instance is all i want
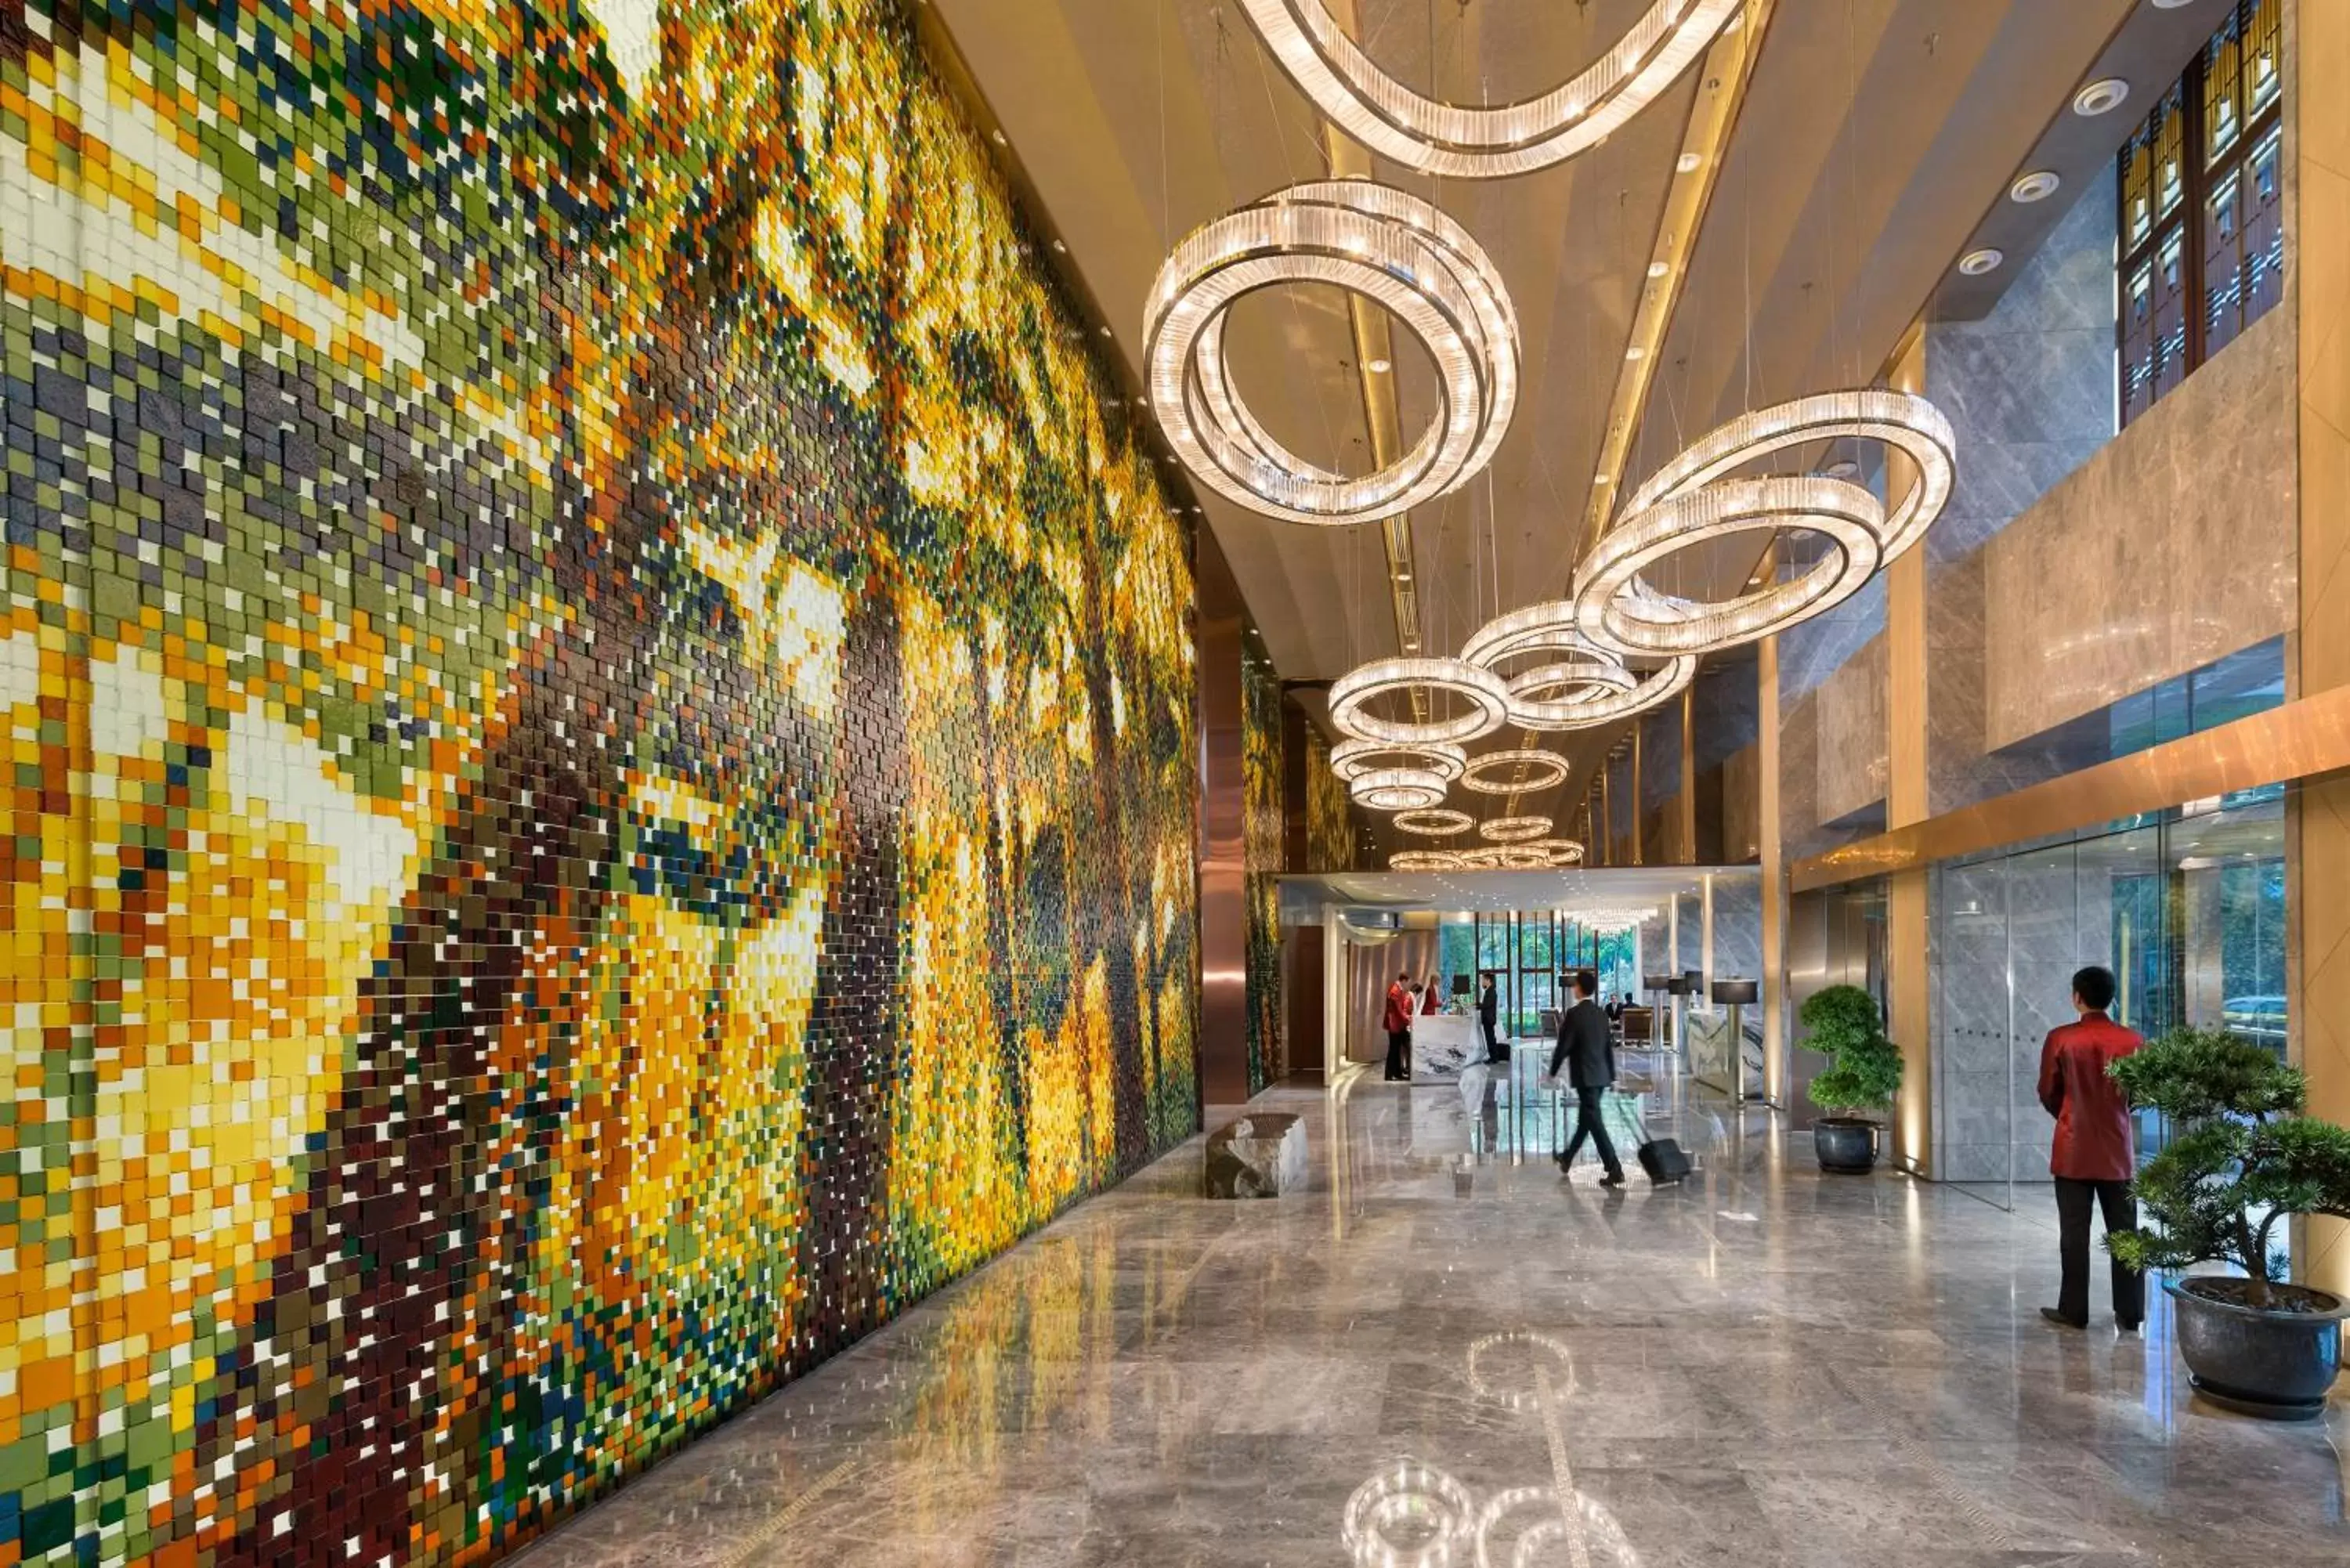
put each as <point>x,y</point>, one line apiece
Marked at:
<point>1664,1161</point>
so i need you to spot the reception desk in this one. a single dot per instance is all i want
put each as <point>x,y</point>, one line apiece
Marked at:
<point>1443,1045</point>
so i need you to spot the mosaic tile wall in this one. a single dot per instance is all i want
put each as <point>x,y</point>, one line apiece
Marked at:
<point>1263,844</point>
<point>1330,833</point>
<point>601,741</point>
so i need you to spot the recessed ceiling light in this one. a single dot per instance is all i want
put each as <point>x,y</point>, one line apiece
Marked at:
<point>2171,5</point>
<point>1687,163</point>
<point>1062,246</point>
<point>1974,263</point>
<point>1602,479</point>
<point>1105,331</point>
<point>1659,269</point>
<point>1844,469</point>
<point>1001,140</point>
<point>1378,367</point>
<point>1636,352</point>
<point>2101,95</point>
<point>2036,186</point>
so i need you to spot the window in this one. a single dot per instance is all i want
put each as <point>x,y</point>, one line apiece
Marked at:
<point>2202,216</point>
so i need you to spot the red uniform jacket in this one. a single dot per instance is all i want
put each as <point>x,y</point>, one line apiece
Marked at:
<point>2093,1124</point>
<point>1399,1014</point>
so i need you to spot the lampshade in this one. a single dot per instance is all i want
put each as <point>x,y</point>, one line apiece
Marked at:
<point>1727,991</point>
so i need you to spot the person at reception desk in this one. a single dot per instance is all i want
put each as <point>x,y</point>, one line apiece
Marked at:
<point>1488,1010</point>
<point>2093,1157</point>
<point>1401,1005</point>
<point>1587,1050</point>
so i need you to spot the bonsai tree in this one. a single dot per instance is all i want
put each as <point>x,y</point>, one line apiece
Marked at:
<point>1864,1069</point>
<point>2245,1158</point>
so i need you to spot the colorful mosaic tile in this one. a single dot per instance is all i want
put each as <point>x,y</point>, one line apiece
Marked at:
<point>1331,830</point>
<point>1262,848</point>
<point>601,735</point>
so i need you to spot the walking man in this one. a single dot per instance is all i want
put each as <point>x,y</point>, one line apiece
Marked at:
<point>1587,1052</point>
<point>2094,1154</point>
<point>1401,1006</point>
<point>1489,1012</point>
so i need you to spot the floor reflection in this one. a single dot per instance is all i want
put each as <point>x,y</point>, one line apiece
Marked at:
<point>1447,1353</point>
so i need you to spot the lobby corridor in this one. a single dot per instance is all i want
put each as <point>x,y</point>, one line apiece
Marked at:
<point>1407,1364</point>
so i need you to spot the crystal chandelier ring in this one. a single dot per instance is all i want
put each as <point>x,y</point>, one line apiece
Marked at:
<point>1562,851</point>
<point>1513,829</point>
<point>1398,789</point>
<point>1465,143</point>
<point>1353,694</point>
<point>1391,247</point>
<point>1479,860</point>
<point>1521,770</point>
<point>1577,696</point>
<point>1423,860</point>
<point>1522,858</point>
<point>1351,759</point>
<point>1549,627</point>
<point>1900,420</point>
<point>1620,608</point>
<point>1434,822</point>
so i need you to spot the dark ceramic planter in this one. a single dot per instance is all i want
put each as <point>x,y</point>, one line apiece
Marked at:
<point>2275,1365</point>
<point>1845,1144</point>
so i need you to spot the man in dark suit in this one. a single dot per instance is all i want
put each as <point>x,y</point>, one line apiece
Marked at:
<point>2092,1156</point>
<point>1489,1012</point>
<point>1587,1050</point>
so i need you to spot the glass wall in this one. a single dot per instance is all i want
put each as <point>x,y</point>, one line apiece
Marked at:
<point>2188,909</point>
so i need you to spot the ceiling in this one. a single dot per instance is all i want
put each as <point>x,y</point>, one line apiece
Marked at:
<point>1873,137</point>
<point>1598,887</point>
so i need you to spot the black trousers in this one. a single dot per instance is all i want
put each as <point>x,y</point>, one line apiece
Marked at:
<point>1589,1123</point>
<point>1399,1054</point>
<point>2072,1201</point>
<point>1493,1051</point>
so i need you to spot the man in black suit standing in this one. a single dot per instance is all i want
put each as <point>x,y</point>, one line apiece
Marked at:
<point>1586,1049</point>
<point>1489,1012</point>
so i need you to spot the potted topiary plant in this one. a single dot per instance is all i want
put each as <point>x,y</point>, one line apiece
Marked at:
<point>2243,1161</point>
<point>1863,1075</point>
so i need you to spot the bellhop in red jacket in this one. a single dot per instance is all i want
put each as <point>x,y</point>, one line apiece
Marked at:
<point>2093,1124</point>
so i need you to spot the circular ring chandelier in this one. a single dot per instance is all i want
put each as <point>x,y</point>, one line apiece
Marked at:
<point>1521,857</point>
<point>1351,759</point>
<point>1541,770</point>
<point>1562,851</point>
<point>1901,421</point>
<point>1618,607</point>
<point>1445,139</point>
<point>1352,694</point>
<point>1479,860</point>
<point>1438,822</point>
<point>1423,860</point>
<point>1587,685</point>
<point>1398,789</point>
<point>1513,829</point>
<point>1374,240</point>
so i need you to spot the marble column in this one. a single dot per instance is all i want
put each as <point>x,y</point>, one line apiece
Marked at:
<point>1910,981</point>
<point>1775,1029</point>
<point>2317,828</point>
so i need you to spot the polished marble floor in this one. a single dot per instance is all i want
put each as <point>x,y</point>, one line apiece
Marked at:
<point>1409,1366</point>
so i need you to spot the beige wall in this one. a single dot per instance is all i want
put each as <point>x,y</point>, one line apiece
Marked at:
<point>2172,546</point>
<point>1849,768</point>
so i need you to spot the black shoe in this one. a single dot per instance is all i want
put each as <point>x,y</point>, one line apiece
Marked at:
<point>2059,1319</point>
<point>2129,1330</point>
<point>1615,1180</point>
